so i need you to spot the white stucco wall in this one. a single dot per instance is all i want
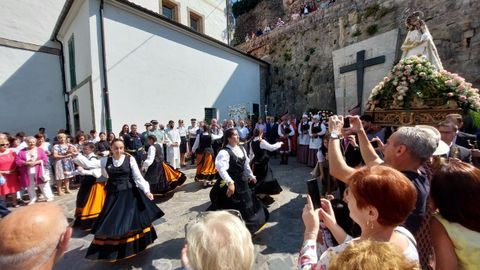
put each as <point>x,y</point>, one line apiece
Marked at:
<point>158,73</point>
<point>31,91</point>
<point>83,95</point>
<point>29,21</point>
<point>213,12</point>
<point>80,28</point>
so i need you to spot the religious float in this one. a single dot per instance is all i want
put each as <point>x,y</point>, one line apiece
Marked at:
<point>418,91</point>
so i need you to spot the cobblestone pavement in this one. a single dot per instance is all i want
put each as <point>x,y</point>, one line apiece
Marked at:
<point>276,247</point>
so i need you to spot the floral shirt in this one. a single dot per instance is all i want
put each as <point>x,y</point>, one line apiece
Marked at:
<point>308,259</point>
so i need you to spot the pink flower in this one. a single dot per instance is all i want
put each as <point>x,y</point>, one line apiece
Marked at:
<point>449,83</point>
<point>462,98</point>
<point>450,94</point>
<point>406,73</point>
<point>398,73</point>
<point>376,102</point>
<point>461,87</point>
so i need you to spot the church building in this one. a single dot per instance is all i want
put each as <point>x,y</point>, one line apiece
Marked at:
<point>125,62</point>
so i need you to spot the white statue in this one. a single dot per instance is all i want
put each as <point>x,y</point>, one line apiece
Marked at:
<point>419,41</point>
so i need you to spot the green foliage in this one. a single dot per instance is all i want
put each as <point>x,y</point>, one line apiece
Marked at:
<point>372,29</point>
<point>377,11</point>
<point>356,33</point>
<point>287,56</point>
<point>243,6</point>
<point>371,10</point>
<point>382,12</point>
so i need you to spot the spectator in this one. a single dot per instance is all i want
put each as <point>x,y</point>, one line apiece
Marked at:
<point>280,23</point>
<point>267,29</point>
<point>8,171</point>
<point>42,131</point>
<point>455,229</point>
<point>379,199</point>
<point>63,153</point>
<point>93,136</point>
<point>103,146</point>
<point>33,237</point>
<point>47,148</point>
<point>111,137</point>
<point>218,240</point>
<point>259,32</point>
<point>31,163</point>
<point>125,130</point>
<point>372,255</point>
<point>448,132</point>
<point>461,138</point>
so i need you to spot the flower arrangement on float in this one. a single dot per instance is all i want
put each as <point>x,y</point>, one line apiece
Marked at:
<point>414,83</point>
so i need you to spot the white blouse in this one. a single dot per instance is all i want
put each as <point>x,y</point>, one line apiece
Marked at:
<point>264,145</point>
<point>222,163</point>
<point>91,165</point>
<point>137,176</point>
<point>150,156</point>
<point>214,137</point>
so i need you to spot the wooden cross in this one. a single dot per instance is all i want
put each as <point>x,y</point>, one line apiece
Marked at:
<point>360,66</point>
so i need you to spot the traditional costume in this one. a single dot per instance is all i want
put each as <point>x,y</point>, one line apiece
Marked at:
<point>161,176</point>
<point>266,182</point>
<point>124,227</point>
<point>91,194</point>
<point>232,164</point>
<point>303,140</point>
<point>203,146</point>
<point>285,131</point>
<point>316,132</point>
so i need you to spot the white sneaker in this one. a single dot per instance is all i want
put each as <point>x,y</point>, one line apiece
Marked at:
<point>32,202</point>
<point>50,199</point>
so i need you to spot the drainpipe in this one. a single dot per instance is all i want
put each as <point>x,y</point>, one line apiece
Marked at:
<point>64,85</point>
<point>106,99</point>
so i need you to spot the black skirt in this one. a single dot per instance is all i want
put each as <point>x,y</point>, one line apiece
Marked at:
<point>266,182</point>
<point>253,212</point>
<point>183,145</point>
<point>123,228</point>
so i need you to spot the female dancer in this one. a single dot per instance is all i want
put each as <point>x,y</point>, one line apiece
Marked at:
<point>206,171</point>
<point>266,183</point>
<point>232,191</point>
<point>124,227</point>
<point>91,194</point>
<point>161,175</point>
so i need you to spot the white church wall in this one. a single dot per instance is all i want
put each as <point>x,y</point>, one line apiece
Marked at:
<point>31,91</point>
<point>79,27</point>
<point>85,109</point>
<point>29,21</point>
<point>156,72</point>
<point>212,12</point>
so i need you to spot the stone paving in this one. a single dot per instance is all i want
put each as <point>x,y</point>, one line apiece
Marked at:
<point>276,247</point>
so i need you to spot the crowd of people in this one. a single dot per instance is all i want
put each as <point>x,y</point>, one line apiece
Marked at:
<point>308,7</point>
<point>388,195</point>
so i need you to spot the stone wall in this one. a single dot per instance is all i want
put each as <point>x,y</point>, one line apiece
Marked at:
<point>300,53</point>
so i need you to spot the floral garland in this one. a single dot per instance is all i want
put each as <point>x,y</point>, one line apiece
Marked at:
<point>415,81</point>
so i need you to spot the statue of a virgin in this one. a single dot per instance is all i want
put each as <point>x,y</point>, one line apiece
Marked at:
<point>419,41</point>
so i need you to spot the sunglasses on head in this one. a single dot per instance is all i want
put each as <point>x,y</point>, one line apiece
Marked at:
<point>201,216</point>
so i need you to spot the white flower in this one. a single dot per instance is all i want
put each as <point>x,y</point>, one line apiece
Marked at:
<point>400,97</point>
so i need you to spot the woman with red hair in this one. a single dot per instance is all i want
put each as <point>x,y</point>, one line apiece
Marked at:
<point>379,199</point>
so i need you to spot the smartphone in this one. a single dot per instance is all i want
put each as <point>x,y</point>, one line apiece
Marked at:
<point>346,122</point>
<point>314,192</point>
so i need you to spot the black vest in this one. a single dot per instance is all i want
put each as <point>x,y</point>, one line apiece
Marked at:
<point>119,178</point>
<point>261,155</point>
<point>205,144</point>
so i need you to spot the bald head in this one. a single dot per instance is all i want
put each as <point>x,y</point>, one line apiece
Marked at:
<point>32,236</point>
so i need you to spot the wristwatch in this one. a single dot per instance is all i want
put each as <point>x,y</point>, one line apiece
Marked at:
<point>334,135</point>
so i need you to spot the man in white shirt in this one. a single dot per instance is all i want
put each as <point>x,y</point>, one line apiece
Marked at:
<point>242,131</point>
<point>192,135</point>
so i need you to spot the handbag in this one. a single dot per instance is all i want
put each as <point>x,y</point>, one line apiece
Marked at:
<point>45,173</point>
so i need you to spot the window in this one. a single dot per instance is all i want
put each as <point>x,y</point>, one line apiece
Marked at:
<point>76,115</point>
<point>210,113</point>
<point>195,21</point>
<point>170,10</point>
<point>71,62</point>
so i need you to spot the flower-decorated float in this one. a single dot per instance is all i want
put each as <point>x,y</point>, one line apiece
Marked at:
<point>418,90</point>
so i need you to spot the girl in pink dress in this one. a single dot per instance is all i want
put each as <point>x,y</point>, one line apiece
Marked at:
<point>8,170</point>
